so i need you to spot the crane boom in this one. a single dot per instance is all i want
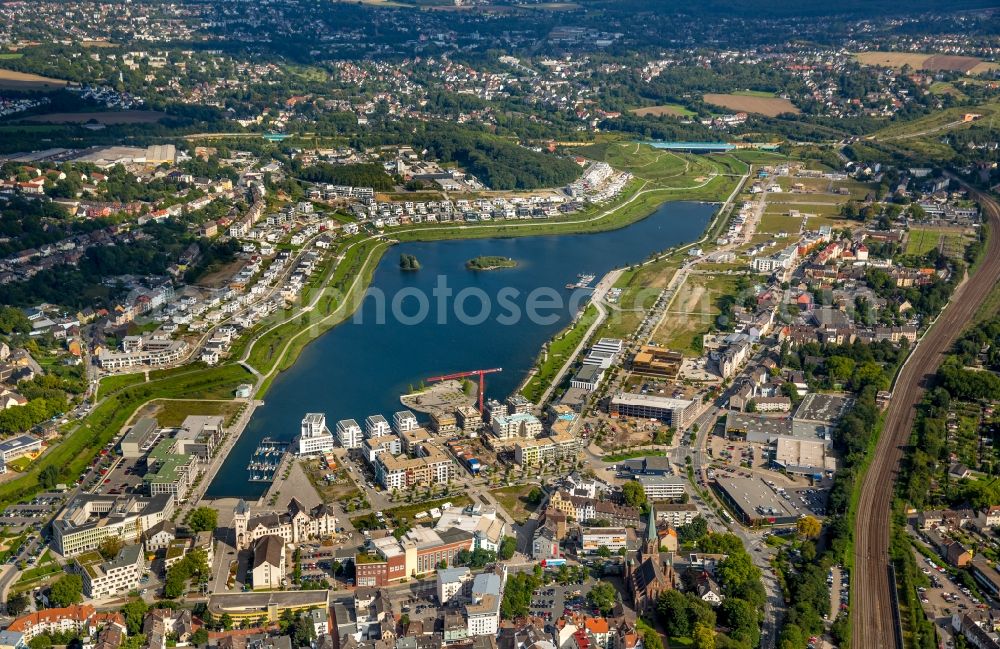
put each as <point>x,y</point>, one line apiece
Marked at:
<point>462,375</point>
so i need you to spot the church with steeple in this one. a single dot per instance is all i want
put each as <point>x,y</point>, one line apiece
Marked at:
<point>649,572</point>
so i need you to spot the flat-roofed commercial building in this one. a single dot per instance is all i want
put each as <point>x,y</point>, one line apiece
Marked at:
<point>803,456</point>
<point>662,487</point>
<point>88,519</point>
<point>594,538</point>
<point>15,447</point>
<point>754,503</point>
<point>673,412</point>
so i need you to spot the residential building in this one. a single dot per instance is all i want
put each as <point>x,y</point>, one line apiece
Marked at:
<point>349,433</point>
<point>102,579</point>
<point>268,568</point>
<point>293,526</point>
<point>315,437</point>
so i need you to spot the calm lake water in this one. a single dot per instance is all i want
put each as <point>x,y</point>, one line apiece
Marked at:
<point>361,367</point>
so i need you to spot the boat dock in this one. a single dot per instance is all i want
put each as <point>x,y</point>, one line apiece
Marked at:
<point>584,280</point>
<point>266,459</point>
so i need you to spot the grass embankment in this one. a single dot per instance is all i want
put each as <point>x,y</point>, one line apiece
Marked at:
<point>81,443</point>
<point>556,353</point>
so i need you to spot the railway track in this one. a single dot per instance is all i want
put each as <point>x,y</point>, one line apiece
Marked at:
<point>873,623</point>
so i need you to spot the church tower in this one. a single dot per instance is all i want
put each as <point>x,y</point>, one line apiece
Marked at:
<point>652,545</point>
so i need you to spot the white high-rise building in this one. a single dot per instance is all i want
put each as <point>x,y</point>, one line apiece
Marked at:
<point>404,421</point>
<point>315,437</point>
<point>376,426</point>
<point>349,433</point>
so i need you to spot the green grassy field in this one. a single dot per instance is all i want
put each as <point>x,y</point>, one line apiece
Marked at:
<point>923,240</point>
<point>774,223</point>
<point>560,349</point>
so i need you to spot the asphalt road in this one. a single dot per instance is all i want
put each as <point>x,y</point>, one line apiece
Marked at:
<point>874,624</point>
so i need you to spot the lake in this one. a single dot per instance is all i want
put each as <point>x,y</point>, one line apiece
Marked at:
<point>447,319</point>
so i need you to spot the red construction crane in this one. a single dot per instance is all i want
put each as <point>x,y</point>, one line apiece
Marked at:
<point>462,375</point>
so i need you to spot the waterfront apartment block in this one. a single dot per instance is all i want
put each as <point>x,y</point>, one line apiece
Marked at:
<point>468,418</point>
<point>604,353</point>
<point>518,404</point>
<point>444,423</point>
<point>403,421</point>
<point>398,472</point>
<point>143,351</point>
<point>315,436</point>
<point>517,425</point>
<point>103,578</point>
<point>673,412</point>
<point>349,433</point>
<point>88,519</point>
<point>376,426</point>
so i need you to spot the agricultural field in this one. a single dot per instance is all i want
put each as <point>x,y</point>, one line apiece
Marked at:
<point>752,103</point>
<point>930,62</point>
<point>12,80</point>
<point>672,110</point>
<point>104,117</point>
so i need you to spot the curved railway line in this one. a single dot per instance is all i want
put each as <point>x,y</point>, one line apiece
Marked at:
<point>871,607</point>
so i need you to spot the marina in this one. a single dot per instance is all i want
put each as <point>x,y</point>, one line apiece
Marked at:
<point>266,459</point>
<point>583,280</point>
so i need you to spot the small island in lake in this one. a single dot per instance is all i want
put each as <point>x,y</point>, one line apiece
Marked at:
<point>489,262</point>
<point>408,262</point>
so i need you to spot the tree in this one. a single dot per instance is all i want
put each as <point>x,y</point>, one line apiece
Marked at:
<point>16,604</point>
<point>67,591</point>
<point>634,494</point>
<point>49,476</point>
<point>226,621</point>
<point>508,546</point>
<point>809,527</point>
<point>704,637</point>
<point>199,637</point>
<point>110,547</point>
<point>134,611</point>
<point>535,496</point>
<point>742,619</point>
<point>672,607</point>
<point>203,519</point>
<point>603,596</point>
<point>604,551</point>
<point>694,531</point>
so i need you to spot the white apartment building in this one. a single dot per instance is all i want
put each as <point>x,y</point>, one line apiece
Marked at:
<point>376,426</point>
<point>102,579</point>
<point>482,614</point>
<point>315,436</point>
<point>452,582</point>
<point>404,421</point>
<point>349,433</point>
<point>521,424</point>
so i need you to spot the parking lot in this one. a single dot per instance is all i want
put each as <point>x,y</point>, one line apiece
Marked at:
<point>34,514</point>
<point>945,596</point>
